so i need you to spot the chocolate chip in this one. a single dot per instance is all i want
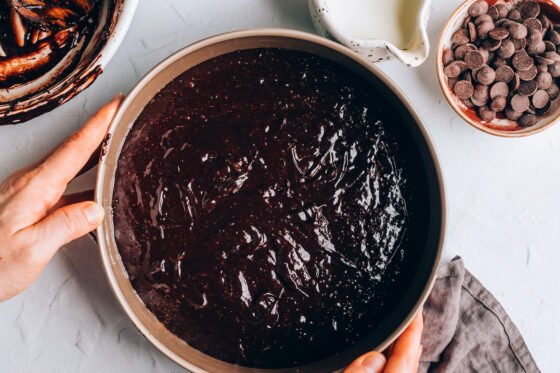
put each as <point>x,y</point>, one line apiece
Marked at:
<point>499,33</point>
<point>517,30</point>
<point>483,18</point>
<point>481,94</point>
<point>474,60</point>
<point>491,44</point>
<point>447,56</point>
<point>542,68</point>
<point>552,56</point>
<point>522,61</point>
<point>553,91</point>
<point>499,89</point>
<point>488,56</point>
<point>451,82</point>
<point>528,88</point>
<point>460,37</point>
<point>463,89</point>
<point>471,28</point>
<point>550,47</point>
<point>486,75</point>
<point>493,13</point>
<point>507,49</point>
<point>546,24</point>
<point>545,110</point>
<point>478,8</point>
<point>515,83</point>
<point>536,48</point>
<point>503,22</point>
<point>519,103</point>
<point>486,114</point>
<point>461,50</point>
<point>544,80</point>
<point>498,104</point>
<point>543,61</point>
<point>499,62</point>
<point>553,36</point>
<point>468,103</point>
<point>519,44</point>
<point>528,74</point>
<point>454,69</point>
<point>484,28</point>
<point>466,76</point>
<point>554,69</point>
<point>466,22</point>
<point>529,9</point>
<point>512,114</point>
<point>477,102</point>
<point>540,99</point>
<point>527,120</point>
<point>502,10</point>
<point>515,15</point>
<point>533,24</point>
<point>504,74</point>
<point>534,37</point>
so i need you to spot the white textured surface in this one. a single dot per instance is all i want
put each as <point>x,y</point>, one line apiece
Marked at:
<point>503,198</point>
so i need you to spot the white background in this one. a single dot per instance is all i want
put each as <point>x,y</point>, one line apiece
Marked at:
<point>503,202</point>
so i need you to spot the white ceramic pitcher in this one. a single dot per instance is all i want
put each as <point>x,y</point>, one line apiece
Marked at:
<point>374,49</point>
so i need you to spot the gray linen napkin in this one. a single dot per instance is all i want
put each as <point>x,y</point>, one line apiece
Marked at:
<point>467,330</point>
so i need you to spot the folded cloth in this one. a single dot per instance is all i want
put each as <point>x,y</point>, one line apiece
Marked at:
<point>467,330</point>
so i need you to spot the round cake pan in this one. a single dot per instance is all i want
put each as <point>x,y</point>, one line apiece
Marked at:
<point>429,252</point>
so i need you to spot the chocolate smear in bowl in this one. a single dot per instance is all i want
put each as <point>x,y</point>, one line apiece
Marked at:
<point>49,51</point>
<point>37,34</point>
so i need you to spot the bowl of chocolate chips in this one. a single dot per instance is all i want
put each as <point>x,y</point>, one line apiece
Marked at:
<point>498,64</point>
<point>52,50</point>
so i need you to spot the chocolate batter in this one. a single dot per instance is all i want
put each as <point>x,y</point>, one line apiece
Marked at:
<point>260,208</point>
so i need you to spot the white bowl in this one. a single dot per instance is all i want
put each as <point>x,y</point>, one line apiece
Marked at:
<point>375,50</point>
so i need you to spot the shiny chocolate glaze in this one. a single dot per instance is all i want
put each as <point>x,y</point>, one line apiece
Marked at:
<point>262,207</point>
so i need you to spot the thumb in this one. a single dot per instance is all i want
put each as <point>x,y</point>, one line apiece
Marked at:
<point>372,362</point>
<point>64,225</point>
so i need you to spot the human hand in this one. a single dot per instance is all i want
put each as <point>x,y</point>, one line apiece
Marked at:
<point>404,356</point>
<point>35,218</point>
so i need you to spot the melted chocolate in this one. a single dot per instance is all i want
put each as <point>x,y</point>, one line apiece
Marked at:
<point>49,52</point>
<point>260,209</point>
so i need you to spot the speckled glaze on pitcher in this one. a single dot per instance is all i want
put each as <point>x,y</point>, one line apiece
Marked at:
<point>375,50</point>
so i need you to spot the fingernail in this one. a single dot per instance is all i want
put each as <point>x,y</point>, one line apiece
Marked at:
<point>94,213</point>
<point>374,363</point>
<point>119,97</point>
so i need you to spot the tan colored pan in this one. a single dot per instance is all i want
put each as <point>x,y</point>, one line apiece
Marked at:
<point>159,77</point>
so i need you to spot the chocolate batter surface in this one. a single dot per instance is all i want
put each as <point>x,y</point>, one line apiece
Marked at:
<point>260,209</point>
